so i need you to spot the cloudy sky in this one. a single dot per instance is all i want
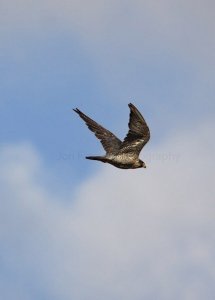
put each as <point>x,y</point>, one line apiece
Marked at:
<point>77,229</point>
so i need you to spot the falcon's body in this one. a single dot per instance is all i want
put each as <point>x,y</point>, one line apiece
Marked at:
<point>124,155</point>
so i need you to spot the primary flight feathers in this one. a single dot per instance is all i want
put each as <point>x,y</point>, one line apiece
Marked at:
<point>121,154</point>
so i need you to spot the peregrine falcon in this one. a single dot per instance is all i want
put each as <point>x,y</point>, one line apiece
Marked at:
<point>121,154</point>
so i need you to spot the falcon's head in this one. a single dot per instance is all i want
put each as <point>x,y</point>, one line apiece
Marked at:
<point>140,164</point>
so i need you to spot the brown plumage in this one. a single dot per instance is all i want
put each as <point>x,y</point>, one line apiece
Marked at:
<point>121,154</point>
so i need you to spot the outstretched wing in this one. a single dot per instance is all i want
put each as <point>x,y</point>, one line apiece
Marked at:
<point>138,134</point>
<point>109,141</point>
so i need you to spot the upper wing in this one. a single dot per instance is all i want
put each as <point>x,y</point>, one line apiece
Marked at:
<point>138,134</point>
<point>109,141</point>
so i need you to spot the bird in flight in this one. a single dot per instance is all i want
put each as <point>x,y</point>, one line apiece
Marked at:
<point>121,154</point>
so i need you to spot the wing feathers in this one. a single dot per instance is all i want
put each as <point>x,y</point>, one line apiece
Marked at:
<point>138,134</point>
<point>109,141</point>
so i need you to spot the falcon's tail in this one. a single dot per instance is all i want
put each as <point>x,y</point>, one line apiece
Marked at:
<point>100,158</point>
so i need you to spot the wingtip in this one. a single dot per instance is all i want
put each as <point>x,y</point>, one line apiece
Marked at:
<point>131,105</point>
<point>76,110</point>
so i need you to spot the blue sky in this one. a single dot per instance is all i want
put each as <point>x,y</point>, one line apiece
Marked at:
<point>76,229</point>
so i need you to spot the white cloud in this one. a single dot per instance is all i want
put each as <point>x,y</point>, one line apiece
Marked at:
<point>137,30</point>
<point>140,49</point>
<point>125,235</point>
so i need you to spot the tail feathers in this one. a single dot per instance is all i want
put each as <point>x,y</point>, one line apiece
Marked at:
<point>100,158</point>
